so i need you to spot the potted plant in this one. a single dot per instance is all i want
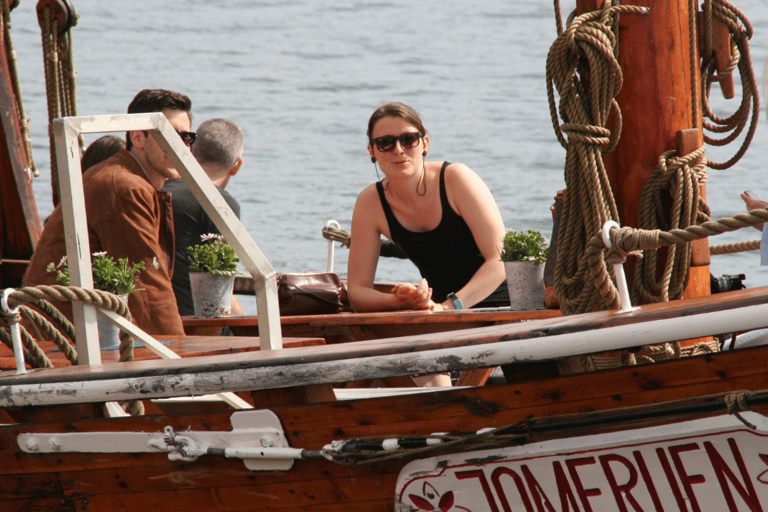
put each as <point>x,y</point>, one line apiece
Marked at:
<point>212,271</point>
<point>120,278</point>
<point>524,255</point>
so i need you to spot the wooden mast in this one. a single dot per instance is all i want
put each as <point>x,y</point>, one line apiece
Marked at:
<point>657,104</point>
<point>20,225</point>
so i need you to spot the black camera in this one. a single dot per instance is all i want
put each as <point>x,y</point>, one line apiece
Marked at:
<point>726,283</point>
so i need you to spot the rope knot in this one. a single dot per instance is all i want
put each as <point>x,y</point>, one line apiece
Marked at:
<point>587,134</point>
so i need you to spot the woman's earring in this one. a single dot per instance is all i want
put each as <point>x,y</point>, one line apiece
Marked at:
<point>373,159</point>
<point>424,154</point>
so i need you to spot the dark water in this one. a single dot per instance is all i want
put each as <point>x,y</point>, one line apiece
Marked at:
<point>302,77</point>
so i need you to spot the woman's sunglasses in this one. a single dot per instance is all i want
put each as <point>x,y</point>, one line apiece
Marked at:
<point>408,140</point>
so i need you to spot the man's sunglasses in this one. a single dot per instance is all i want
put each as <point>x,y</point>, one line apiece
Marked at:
<point>188,138</point>
<point>407,140</point>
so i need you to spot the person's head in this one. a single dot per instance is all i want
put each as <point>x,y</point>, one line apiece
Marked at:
<point>396,114</point>
<point>101,149</point>
<point>219,149</point>
<point>177,108</point>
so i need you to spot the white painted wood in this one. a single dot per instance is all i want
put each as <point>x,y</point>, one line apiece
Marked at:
<point>76,231</point>
<point>257,376</point>
<point>164,352</point>
<point>66,132</point>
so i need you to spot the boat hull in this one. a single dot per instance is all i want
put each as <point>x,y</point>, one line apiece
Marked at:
<point>150,481</point>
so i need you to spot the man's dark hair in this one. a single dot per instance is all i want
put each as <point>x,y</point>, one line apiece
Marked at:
<point>156,100</point>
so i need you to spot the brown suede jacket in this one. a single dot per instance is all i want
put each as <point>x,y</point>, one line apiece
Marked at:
<point>127,218</point>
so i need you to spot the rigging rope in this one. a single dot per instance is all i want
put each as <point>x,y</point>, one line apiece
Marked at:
<point>59,77</point>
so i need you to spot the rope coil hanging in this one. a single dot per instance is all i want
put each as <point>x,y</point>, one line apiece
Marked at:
<point>587,46</point>
<point>680,178</point>
<point>740,32</point>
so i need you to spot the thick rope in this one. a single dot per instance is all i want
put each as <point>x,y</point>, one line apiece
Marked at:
<point>628,241</point>
<point>337,235</point>
<point>748,245</point>
<point>740,32</point>
<point>588,43</point>
<point>680,178</point>
<point>13,70</point>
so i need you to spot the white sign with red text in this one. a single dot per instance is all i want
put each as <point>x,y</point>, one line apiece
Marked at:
<point>710,465</point>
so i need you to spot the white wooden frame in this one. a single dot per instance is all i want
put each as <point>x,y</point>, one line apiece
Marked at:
<point>66,135</point>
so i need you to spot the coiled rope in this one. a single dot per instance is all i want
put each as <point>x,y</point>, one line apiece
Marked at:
<point>592,37</point>
<point>55,327</point>
<point>680,178</point>
<point>740,31</point>
<point>586,113</point>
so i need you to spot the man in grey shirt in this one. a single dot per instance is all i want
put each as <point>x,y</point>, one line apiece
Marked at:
<point>218,149</point>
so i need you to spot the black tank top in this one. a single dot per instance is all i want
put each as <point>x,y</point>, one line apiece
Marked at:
<point>447,256</point>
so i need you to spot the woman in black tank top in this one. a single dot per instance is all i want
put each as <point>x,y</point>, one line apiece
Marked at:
<point>442,215</point>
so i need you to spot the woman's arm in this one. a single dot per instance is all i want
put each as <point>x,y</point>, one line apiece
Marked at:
<point>470,197</point>
<point>368,224</point>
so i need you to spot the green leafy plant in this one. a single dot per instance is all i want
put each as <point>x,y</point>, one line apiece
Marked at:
<point>530,246</point>
<point>118,277</point>
<point>214,256</point>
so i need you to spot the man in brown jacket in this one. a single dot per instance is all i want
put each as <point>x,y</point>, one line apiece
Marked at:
<point>128,217</point>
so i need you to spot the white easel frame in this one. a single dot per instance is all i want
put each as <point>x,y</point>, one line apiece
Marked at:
<point>66,132</point>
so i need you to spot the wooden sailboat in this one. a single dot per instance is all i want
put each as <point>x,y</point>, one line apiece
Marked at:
<point>288,435</point>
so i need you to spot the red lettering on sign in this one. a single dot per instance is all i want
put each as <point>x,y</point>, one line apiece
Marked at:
<point>685,478</point>
<point>722,471</point>
<point>618,490</point>
<point>478,473</point>
<point>563,489</point>
<point>583,493</point>
<point>536,491</point>
<point>648,480</point>
<point>671,479</point>
<point>496,480</point>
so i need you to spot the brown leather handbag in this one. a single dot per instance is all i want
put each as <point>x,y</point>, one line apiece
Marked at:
<point>309,293</point>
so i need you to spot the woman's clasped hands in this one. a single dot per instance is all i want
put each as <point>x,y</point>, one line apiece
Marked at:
<point>414,297</point>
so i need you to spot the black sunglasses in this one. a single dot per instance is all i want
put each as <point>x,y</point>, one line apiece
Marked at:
<point>188,138</point>
<point>408,140</point>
